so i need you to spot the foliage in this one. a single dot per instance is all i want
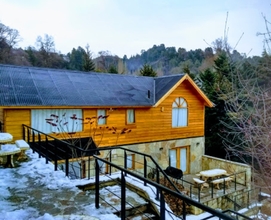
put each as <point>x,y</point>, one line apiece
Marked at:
<point>88,64</point>
<point>147,70</point>
<point>113,69</point>
<point>213,116</point>
<point>76,59</point>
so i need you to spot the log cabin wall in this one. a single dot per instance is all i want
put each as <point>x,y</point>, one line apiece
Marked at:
<point>151,124</point>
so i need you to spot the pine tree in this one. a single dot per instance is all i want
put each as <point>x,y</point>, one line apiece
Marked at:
<point>147,70</point>
<point>88,64</point>
<point>113,69</point>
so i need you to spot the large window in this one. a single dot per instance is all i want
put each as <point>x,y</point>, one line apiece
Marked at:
<point>101,113</point>
<point>179,113</point>
<point>57,120</point>
<point>179,158</point>
<point>130,116</point>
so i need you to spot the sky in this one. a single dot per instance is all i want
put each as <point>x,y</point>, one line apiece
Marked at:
<point>124,27</point>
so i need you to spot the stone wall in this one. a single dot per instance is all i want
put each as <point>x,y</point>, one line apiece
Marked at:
<point>160,152</point>
<point>242,171</point>
<point>220,203</point>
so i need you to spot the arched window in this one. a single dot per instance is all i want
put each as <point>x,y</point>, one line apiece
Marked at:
<point>179,113</point>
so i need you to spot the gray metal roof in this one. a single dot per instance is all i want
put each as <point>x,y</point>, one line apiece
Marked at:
<point>32,86</point>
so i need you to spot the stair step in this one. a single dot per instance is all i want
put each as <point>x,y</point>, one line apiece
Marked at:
<point>142,216</point>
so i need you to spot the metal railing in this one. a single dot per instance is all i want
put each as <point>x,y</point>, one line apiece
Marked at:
<point>49,147</point>
<point>160,188</point>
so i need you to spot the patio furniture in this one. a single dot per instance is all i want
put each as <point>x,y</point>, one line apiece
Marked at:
<point>200,183</point>
<point>5,138</point>
<point>227,181</point>
<point>212,174</point>
<point>23,147</point>
<point>9,150</point>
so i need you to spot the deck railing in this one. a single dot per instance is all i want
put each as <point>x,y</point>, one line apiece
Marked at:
<point>52,150</point>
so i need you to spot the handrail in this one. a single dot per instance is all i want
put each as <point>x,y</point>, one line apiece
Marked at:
<point>60,140</point>
<point>156,164</point>
<point>160,188</point>
<point>100,149</point>
<point>167,190</point>
<point>230,211</point>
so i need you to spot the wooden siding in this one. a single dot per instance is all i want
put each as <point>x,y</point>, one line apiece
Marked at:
<point>13,120</point>
<point>152,124</point>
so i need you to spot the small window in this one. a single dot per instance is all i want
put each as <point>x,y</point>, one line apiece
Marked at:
<point>130,160</point>
<point>101,113</point>
<point>130,118</point>
<point>179,113</point>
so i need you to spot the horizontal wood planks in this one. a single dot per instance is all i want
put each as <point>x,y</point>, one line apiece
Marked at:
<point>14,119</point>
<point>151,124</point>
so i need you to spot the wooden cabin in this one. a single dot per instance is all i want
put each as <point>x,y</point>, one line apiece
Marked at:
<point>164,114</point>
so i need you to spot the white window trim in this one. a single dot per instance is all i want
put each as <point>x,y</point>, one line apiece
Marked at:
<point>179,113</point>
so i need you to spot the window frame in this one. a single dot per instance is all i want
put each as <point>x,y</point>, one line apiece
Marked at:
<point>104,120</point>
<point>130,158</point>
<point>127,116</point>
<point>178,160</point>
<point>179,111</point>
<point>39,122</point>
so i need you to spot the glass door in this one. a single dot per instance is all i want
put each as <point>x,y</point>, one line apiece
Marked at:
<point>179,158</point>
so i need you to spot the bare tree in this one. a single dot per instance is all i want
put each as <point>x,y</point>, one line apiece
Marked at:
<point>246,131</point>
<point>249,107</point>
<point>47,43</point>
<point>46,48</point>
<point>66,126</point>
<point>8,39</point>
<point>266,35</point>
<point>248,135</point>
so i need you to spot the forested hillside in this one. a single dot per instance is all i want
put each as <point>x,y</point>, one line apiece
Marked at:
<point>164,60</point>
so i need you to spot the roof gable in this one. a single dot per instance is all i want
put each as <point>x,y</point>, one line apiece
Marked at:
<point>207,102</point>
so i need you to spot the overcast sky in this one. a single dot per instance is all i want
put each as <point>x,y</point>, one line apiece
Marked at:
<point>125,27</point>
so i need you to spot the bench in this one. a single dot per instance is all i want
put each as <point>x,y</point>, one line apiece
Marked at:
<point>200,183</point>
<point>226,179</point>
<point>9,150</point>
<point>23,145</point>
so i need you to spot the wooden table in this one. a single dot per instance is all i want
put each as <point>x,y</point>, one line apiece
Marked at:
<point>9,150</point>
<point>212,174</point>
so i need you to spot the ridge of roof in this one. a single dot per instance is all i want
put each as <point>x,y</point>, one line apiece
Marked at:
<point>37,86</point>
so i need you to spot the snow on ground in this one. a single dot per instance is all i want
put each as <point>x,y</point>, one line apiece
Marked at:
<point>44,174</point>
